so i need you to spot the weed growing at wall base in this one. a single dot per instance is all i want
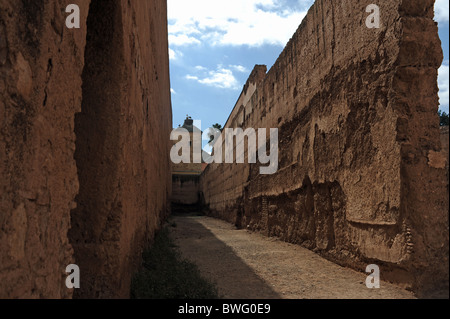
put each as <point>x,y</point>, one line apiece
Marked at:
<point>166,275</point>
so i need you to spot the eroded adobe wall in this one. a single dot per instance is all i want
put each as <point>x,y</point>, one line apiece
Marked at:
<point>445,142</point>
<point>361,176</point>
<point>40,92</point>
<point>84,168</point>
<point>122,145</point>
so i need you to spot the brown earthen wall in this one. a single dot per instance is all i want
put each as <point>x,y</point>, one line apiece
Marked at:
<point>85,116</point>
<point>361,176</point>
<point>445,142</point>
<point>185,189</point>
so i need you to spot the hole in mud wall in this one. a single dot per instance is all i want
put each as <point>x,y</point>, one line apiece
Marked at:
<point>96,219</point>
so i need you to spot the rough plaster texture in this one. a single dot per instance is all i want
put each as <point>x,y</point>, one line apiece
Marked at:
<point>360,176</point>
<point>445,143</point>
<point>84,166</point>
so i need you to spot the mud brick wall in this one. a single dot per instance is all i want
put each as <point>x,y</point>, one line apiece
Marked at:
<point>445,142</point>
<point>185,189</point>
<point>85,116</point>
<point>361,175</point>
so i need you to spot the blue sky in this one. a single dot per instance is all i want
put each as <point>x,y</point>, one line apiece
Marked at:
<point>214,45</point>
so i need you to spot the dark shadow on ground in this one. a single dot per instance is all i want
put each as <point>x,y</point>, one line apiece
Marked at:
<point>218,262</point>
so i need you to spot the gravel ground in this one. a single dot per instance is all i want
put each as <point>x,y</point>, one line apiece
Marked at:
<point>248,265</point>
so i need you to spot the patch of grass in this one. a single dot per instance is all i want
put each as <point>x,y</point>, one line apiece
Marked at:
<point>166,275</point>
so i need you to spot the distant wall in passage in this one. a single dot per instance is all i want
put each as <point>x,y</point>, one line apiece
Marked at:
<point>185,189</point>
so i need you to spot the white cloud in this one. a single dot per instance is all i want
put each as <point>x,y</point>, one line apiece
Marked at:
<point>234,22</point>
<point>182,39</point>
<point>441,9</point>
<point>172,91</point>
<point>239,68</point>
<point>191,77</point>
<point>220,78</point>
<point>200,68</point>
<point>174,54</point>
<point>443,82</point>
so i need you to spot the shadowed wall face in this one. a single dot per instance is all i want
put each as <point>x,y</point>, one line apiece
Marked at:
<point>185,189</point>
<point>84,148</point>
<point>124,120</point>
<point>97,218</point>
<point>361,176</point>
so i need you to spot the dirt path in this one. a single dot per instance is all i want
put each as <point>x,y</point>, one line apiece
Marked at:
<point>250,265</point>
